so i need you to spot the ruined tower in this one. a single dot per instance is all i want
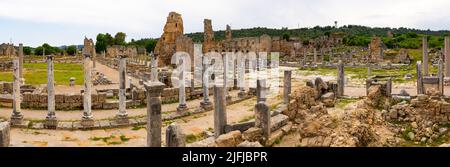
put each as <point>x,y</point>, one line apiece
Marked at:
<point>208,37</point>
<point>228,35</point>
<point>165,47</point>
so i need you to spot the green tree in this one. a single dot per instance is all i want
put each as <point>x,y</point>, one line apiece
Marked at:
<point>71,50</point>
<point>286,36</point>
<point>27,50</point>
<point>103,41</point>
<point>119,38</point>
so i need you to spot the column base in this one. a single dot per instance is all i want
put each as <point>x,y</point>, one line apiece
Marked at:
<point>16,119</point>
<point>242,94</point>
<point>87,121</point>
<point>51,123</point>
<point>122,119</point>
<point>182,107</point>
<point>206,105</point>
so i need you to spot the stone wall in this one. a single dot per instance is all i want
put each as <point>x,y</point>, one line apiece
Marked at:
<point>165,47</point>
<point>63,101</point>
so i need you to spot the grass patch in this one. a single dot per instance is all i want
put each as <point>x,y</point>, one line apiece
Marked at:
<point>344,102</point>
<point>36,73</point>
<point>191,138</point>
<point>136,128</point>
<point>246,119</point>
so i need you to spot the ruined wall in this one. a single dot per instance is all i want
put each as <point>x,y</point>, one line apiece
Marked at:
<point>165,47</point>
<point>376,47</point>
<point>115,50</point>
<point>7,50</point>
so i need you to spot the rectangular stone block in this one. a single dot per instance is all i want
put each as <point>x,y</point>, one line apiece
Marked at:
<point>104,124</point>
<point>43,98</point>
<point>94,98</point>
<point>4,134</point>
<point>101,97</point>
<point>68,99</point>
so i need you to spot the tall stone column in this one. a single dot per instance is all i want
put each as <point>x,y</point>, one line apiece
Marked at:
<point>122,115</point>
<point>447,56</point>
<point>154,121</point>
<point>16,117</point>
<point>50,120</point>
<point>87,120</point>
<point>154,69</point>
<point>206,103</point>
<point>220,111</point>
<point>225,74</point>
<point>340,79</point>
<point>21,61</point>
<point>182,89</point>
<point>425,55</point>
<point>175,136</point>
<point>419,78</point>
<point>241,78</point>
<point>322,55</point>
<point>441,77</point>
<point>315,58</point>
<point>287,86</point>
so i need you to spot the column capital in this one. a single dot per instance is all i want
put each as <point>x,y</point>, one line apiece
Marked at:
<point>154,88</point>
<point>49,57</point>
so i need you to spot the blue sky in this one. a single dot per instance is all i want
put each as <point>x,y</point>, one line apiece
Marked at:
<point>64,22</point>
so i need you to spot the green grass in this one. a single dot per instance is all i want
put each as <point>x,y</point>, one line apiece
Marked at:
<point>36,73</point>
<point>246,119</point>
<point>191,138</point>
<point>344,102</point>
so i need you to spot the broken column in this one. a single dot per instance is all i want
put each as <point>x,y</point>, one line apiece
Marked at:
<point>50,120</point>
<point>264,119</point>
<point>447,57</point>
<point>419,78</point>
<point>154,121</point>
<point>72,81</point>
<point>20,61</point>
<point>182,89</point>
<point>87,120</point>
<point>340,79</point>
<point>122,115</point>
<point>425,55</point>
<point>4,134</point>
<point>154,69</point>
<point>441,77</point>
<point>287,86</point>
<point>16,117</point>
<point>205,104</point>
<point>220,115</point>
<point>175,136</point>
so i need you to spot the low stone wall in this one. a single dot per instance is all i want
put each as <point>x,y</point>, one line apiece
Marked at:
<point>63,101</point>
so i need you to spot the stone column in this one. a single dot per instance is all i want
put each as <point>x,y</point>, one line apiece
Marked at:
<point>260,90</point>
<point>264,119</point>
<point>419,78</point>
<point>175,136</point>
<point>182,89</point>
<point>447,56</point>
<point>72,81</point>
<point>425,55</point>
<point>154,69</point>
<point>50,120</point>
<point>122,115</point>
<point>315,58</point>
<point>369,70</point>
<point>322,55</point>
<point>154,121</point>
<point>441,77</point>
<point>87,120</point>
<point>225,75</point>
<point>205,104</point>
<point>4,134</point>
<point>241,72</point>
<point>16,117</point>
<point>389,87</point>
<point>287,86</point>
<point>21,61</point>
<point>340,79</point>
<point>330,59</point>
<point>220,115</point>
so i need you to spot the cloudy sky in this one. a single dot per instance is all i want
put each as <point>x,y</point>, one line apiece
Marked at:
<point>63,22</point>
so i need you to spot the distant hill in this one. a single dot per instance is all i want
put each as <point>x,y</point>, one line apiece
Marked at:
<point>355,34</point>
